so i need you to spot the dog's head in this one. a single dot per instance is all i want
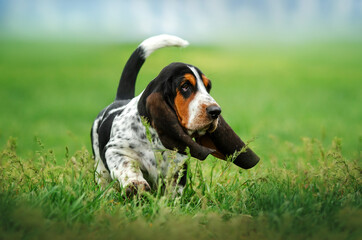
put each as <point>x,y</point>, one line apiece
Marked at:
<point>179,106</point>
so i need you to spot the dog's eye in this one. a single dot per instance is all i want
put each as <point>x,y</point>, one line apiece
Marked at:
<point>185,87</point>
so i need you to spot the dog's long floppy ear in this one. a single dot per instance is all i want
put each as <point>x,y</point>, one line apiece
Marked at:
<point>226,142</point>
<point>168,128</point>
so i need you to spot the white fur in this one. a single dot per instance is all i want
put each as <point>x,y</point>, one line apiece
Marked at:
<point>196,110</point>
<point>160,41</point>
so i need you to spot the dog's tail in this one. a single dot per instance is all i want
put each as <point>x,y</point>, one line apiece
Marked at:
<point>127,83</point>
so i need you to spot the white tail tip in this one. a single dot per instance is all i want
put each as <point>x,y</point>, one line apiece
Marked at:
<point>160,41</point>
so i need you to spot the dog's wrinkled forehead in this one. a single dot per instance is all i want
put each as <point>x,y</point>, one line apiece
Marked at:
<point>202,82</point>
<point>177,72</point>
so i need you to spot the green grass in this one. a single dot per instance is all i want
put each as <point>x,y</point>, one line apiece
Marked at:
<point>301,103</point>
<point>40,198</point>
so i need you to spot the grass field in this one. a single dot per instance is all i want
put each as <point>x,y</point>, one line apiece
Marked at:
<point>299,104</point>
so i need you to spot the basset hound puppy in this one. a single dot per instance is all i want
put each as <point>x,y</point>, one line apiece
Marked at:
<point>181,114</point>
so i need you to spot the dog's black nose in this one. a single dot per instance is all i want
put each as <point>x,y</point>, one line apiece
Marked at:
<point>213,111</point>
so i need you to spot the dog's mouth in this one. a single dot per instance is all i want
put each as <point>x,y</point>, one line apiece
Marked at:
<point>211,127</point>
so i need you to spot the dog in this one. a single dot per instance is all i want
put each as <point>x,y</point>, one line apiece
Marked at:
<point>181,114</point>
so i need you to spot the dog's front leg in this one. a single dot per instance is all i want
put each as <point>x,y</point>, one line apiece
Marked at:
<point>127,171</point>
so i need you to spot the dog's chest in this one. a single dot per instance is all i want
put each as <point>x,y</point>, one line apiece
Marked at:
<point>131,138</point>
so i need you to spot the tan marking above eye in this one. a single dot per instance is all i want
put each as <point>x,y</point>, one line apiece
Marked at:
<point>205,80</point>
<point>190,78</point>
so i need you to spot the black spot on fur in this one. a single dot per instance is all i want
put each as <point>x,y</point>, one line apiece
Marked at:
<point>111,145</point>
<point>134,127</point>
<point>152,161</point>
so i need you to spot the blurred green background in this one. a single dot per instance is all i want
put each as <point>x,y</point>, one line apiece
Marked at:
<point>53,91</point>
<point>281,71</point>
